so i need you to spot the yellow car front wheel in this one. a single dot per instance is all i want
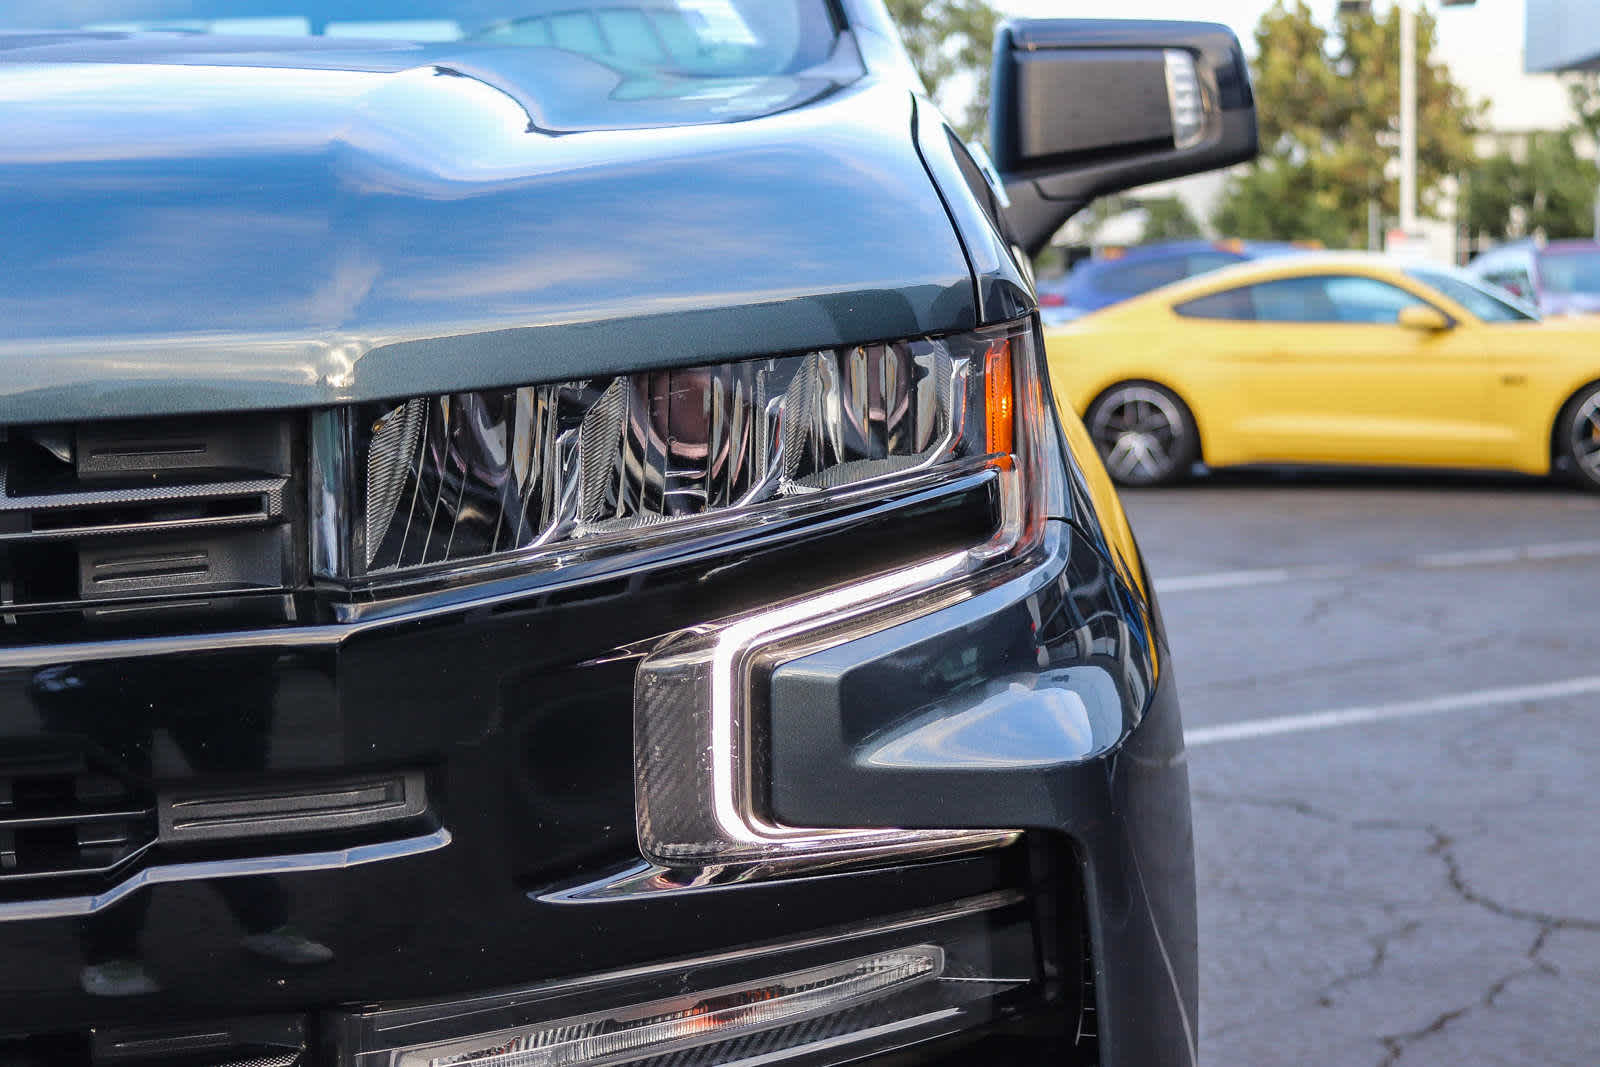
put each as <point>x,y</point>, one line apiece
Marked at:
<point>1578,435</point>
<point>1145,434</point>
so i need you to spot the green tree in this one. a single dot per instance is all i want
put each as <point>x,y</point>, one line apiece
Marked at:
<point>951,43</point>
<point>1166,218</point>
<point>1584,89</point>
<point>1550,190</point>
<point>1275,201</point>
<point>1492,191</point>
<point>1329,102</point>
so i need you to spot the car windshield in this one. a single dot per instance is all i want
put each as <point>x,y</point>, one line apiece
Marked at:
<point>1490,305</point>
<point>1571,271</point>
<point>740,38</point>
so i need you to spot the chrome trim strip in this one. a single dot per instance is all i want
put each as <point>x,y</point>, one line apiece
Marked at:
<point>642,881</point>
<point>70,907</point>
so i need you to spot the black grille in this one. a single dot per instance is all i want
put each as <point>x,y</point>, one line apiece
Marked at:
<point>268,1041</point>
<point>118,520</point>
<point>61,817</point>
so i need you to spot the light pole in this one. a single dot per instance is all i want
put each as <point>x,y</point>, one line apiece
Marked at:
<point>1408,118</point>
<point>1408,101</point>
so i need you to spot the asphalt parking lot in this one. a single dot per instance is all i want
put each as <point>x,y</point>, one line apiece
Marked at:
<point>1392,692</point>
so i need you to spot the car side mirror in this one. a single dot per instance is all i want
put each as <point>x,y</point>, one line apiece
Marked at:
<point>1424,318</point>
<point>1087,107</point>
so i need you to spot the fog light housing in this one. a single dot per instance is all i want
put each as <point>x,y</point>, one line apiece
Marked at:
<point>681,1023</point>
<point>831,996</point>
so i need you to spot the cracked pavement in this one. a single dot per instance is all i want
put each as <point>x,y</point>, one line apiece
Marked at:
<point>1406,892</point>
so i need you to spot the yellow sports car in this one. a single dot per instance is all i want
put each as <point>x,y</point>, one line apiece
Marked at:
<point>1331,359</point>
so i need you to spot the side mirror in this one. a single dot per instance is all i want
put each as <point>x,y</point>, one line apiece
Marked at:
<point>1087,107</point>
<point>1424,318</point>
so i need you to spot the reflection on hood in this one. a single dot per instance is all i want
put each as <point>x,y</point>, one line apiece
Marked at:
<point>284,229</point>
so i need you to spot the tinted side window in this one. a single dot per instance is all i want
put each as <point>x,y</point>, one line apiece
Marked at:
<point>1330,298</point>
<point>1368,300</point>
<point>1293,300</point>
<point>1131,279</point>
<point>1232,304</point>
<point>1317,298</point>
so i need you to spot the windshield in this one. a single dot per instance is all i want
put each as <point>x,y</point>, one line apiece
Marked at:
<point>739,38</point>
<point>1574,271</point>
<point>1490,305</point>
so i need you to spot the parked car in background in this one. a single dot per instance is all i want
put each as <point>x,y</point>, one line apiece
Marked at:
<point>1116,275</point>
<point>1332,359</point>
<point>534,532</point>
<point>1557,277</point>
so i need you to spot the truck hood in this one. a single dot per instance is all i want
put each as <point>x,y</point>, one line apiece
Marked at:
<point>212,231</point>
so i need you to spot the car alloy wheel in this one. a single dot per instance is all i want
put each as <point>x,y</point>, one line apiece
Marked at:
<point>1583,437</point>
<point>1144,434</point>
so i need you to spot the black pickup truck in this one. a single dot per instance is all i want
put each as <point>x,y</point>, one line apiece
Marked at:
<point>535,532</point>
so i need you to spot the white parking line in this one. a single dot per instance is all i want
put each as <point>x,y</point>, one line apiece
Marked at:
<point>1478,557</point>
<point>1518,554</point>
<point>1564,550</point>
<point>1325,720</point>
<point>1473,557</point>
<point>1223,580</point>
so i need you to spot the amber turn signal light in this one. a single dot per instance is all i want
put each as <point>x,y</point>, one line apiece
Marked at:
<point>1000,398</point>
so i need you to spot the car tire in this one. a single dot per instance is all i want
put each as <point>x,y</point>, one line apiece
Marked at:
<point>1145,434</point>
<point>1577,437</point>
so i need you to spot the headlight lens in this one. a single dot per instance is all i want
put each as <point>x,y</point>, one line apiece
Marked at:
<point>421,484</point>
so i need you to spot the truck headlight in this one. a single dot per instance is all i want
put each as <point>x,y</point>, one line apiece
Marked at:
<point>423,485</point>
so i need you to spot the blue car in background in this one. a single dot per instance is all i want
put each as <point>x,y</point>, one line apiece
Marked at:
<point>1120,274</point>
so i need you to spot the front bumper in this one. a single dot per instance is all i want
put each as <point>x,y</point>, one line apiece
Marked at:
<point>517,710</point>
